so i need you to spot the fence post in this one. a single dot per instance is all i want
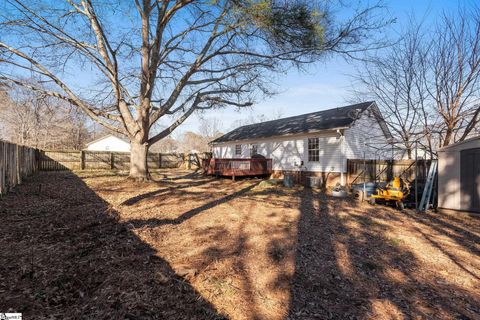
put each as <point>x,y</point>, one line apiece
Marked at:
<point>82,160</point>
<point>159,160</point>
<point>36,161</point>
<point>18,175</point>
<point>112,161</point>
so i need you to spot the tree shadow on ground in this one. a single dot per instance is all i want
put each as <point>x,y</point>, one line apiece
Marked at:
<point>170,186</point>
<point>347,267</point>
<point>191,213</point>
<point>189,175</point>
<point>458,233</point>
<point>65,255</point>
<point>233,258</point>
<point>258,254</point>
<point>177,186</point>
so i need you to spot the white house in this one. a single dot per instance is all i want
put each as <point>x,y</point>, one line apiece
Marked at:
<point>109,143</point>
<point>316,143</point>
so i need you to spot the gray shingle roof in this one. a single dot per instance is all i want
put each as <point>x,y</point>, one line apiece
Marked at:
<point>306,123</point>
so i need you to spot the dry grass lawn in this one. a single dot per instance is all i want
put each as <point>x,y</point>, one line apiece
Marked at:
<point>94,245</point>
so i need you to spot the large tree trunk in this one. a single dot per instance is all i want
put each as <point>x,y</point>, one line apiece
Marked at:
<point>448,136</point>
<point>138,161</point>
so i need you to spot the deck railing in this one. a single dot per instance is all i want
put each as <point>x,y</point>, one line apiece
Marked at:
<point>239,167</point>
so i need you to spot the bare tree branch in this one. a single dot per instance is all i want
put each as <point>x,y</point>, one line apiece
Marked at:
<point>147,59</point>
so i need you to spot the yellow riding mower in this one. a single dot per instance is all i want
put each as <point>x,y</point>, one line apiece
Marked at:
<point>395,191</point>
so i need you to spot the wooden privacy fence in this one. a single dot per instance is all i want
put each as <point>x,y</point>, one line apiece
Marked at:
<point>16,163</point>
<point>84,160</point>
<point>359,170</point>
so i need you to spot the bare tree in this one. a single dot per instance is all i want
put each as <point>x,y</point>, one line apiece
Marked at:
<point>257,118</point>
<point>428,83</point>
<point>4,102</point>
<point>153,59</point>
<point>33,119</point>
<point>78,133</point>
<point>455,75</point>
<point>395,81</point>
<point>210,128</point>
<point>192,142</point>
<point>198,141</point>
<point>167,145</point>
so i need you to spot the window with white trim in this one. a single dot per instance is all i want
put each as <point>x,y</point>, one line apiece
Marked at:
<point>313,150</point>
<point>238,149</point>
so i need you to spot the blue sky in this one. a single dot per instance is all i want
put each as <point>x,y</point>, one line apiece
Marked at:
<point>327,84</point>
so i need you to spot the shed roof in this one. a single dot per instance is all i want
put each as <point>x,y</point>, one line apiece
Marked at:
<point>475,141</point>
<point>330,119</point>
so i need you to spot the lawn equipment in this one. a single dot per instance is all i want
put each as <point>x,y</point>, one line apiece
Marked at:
<point>395,191</point>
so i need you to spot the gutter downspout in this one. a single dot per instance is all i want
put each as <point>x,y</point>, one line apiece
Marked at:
<point>343,158</point>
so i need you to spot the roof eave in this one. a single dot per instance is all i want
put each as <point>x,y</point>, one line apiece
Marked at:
<point>450,146</point>
<point>283,135</point>
<point>104,137</point>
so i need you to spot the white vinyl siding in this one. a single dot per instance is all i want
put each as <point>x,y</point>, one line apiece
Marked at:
<point>290,153</point>
<point>363,136</point>
<point>109,143</point>
<point>331,157</point>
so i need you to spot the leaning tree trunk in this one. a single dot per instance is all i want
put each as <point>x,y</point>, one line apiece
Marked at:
<point>138,161</point>
<point>448,136</point>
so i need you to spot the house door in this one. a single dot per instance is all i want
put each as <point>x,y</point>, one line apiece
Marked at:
<point>470,179</point>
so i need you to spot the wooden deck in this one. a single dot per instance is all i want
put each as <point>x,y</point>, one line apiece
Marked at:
<point>237,167</point>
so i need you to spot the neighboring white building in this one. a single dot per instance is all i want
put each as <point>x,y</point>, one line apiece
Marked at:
<point>316,143</point>
<point>109,143</point>
<point>459,176</point>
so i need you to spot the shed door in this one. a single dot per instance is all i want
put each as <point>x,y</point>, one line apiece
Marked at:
<point>470,179</point>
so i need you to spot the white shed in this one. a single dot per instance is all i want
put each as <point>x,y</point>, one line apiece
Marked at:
<point>459,176</point>
<point>109,143</point>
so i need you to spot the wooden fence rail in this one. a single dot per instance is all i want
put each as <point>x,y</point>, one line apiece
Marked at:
<point>359,170</point>
<point>16,163</point>
<point>56,160</point>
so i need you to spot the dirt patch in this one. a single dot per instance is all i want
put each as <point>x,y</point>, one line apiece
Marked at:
<point>190,246</point>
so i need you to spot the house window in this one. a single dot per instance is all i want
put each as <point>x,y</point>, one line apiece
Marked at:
<point>253,150</point>
<point>313,149</point>
<point>238,149</point>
